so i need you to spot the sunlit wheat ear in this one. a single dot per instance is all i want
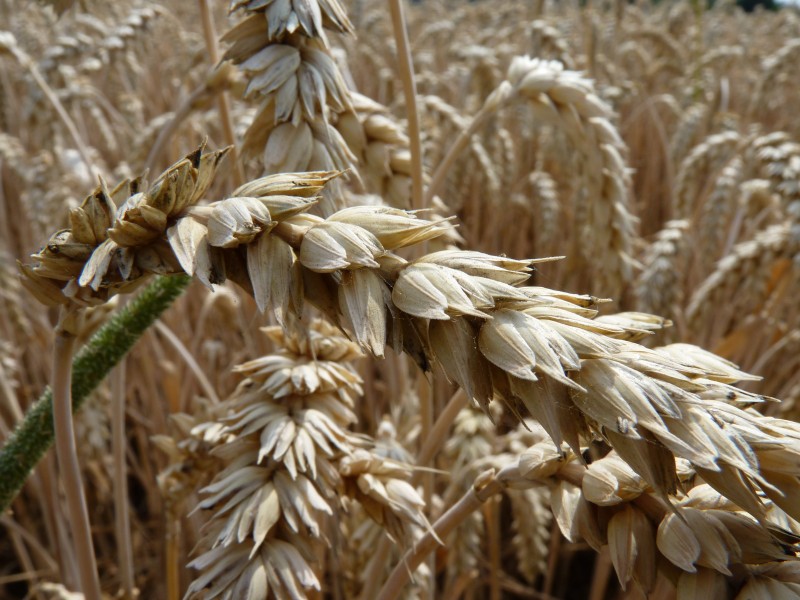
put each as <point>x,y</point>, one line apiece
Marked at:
<point>283,50</point>
<point>466,312</point>
<point>602,210</point>
<point>286,433</point>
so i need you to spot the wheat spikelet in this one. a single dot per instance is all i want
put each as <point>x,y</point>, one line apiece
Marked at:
<point>723,293</point>
<point>284,51</point>
<point>660,288</point>
<point>718,212</point>
<point>703,162</point>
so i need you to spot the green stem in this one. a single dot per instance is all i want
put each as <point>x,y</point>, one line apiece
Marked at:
<point>33,437</point>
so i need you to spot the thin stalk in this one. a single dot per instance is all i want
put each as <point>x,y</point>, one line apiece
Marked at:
<point>68,463</point>
<point>189,104</point>
<point>432,444</point>
<point>190,361</point>
<point>34,435</point>
<point>491,515</point>
<point>406,65</point>
<point>458,146</point>
<point>26,61</point>
<point>553,554</point>
<point>122,520</point>
<point>172,559</point>
<point>602,573</point>
<point>372,576</point>
<point>223,101</point>
<point>425,393</point>
<point>438,433</point>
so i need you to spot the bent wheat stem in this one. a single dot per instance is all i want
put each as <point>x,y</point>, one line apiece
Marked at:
<point>458,146</point>
<point>23,59</point>
<point>479,493</point>
<point>68,460</point>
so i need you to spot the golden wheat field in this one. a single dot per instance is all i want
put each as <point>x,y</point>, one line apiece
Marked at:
<point>360,300</point>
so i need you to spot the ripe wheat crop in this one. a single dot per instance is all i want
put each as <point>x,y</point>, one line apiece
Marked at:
<point>329,299</point>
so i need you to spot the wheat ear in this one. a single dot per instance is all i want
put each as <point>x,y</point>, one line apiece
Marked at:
<point>567,99</point>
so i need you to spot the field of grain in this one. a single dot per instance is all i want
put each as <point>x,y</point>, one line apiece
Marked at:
<point>349,299</point>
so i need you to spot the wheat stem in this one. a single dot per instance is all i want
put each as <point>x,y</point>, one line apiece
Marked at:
<point>122,521</point>
<point>458,146</point>
<point>492,519</point>
<point>68,463</point>
<point>183,111</point>
<point>438,433</point>
<point>26,61</point>
<point>455,515</point>
<point>223,101</point>
<point>34,435</point>
<point>410,91</point>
